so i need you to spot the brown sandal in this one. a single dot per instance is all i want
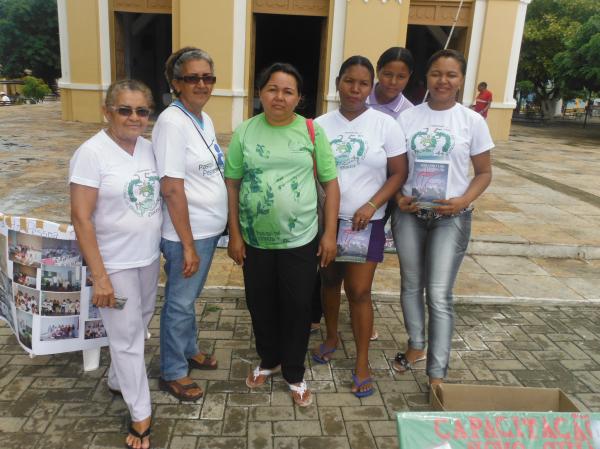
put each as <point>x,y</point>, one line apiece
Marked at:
<point>179,390</point>
<point>207,363</point>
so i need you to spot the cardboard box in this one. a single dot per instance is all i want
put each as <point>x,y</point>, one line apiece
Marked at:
<point>472,398</point>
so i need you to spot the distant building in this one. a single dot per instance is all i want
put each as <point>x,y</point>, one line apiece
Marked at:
<point>105,40</point>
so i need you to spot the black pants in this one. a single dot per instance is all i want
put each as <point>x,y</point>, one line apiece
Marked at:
<point>279,287</point>
<point>317,307</point>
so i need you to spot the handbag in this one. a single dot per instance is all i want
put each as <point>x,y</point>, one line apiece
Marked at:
<point>320,191</point>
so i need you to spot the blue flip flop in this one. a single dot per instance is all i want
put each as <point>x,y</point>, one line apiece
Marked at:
<point>357,384</point>
<point>323,351</point>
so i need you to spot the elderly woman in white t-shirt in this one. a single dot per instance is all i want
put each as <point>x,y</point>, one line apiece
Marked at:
<point>116,212</point>
<point>190,165</point>
<point>432,224</point>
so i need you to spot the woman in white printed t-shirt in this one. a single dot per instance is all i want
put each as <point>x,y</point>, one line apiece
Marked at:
<point>367,145</point>
<point>432,224</point>
<point>190,165</point>
<point>116,212</point>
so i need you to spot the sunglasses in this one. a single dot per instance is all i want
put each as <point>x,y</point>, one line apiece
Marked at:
<point>127,111</point>
<point>195,79</point>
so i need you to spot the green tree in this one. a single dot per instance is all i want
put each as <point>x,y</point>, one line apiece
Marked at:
<point>550,26</point>
<point>35,88</point>
<point>29,38</point>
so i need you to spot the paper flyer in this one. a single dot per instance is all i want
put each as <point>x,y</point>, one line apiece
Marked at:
<point>430,182</point>
<point>352,246</point>
<point>45,296</point>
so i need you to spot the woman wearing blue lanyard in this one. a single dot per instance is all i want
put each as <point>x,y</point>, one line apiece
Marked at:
<point>190,165</point>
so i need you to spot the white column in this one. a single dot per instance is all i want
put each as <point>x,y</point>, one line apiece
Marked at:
<point>338,34</point>
<point>238,66</point>
<point>63,38</point>
<point>104,30</point>
<point>513,62</point>
<point>474,51</point>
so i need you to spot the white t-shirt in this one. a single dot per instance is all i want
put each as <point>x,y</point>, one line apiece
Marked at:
<point>127,217</point>
<point>181,153</point>
<point>361,148</point>
<point>453,135</point>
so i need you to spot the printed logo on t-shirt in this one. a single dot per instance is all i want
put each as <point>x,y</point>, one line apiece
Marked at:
<point>262,151</point>
<point>349,149</point>
<point>142,193</point>
<point>220,156</point>
<point>433,142</point>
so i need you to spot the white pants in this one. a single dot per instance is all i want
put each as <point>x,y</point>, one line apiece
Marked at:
<point>126,331</point>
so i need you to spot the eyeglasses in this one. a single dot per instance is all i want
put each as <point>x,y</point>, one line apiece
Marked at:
<point>127,111</point>
<point>195,79</point>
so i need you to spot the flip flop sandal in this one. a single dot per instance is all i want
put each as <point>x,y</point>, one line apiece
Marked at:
<point>178,392</point>
<point>401,364</point>
<point>364,393</point>
<point>301,394</point>
<point>320,356</point>
<point>135,433</point>
<point>259,376</point>
<point>207,364</point>
<point>374,336</point>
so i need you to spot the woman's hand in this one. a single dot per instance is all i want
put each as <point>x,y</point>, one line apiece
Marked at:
<point>104,295</point>
<point>327,249</point>
<point>405,203</point>
<point>236,249</point>
<point>191,261</point>
<point>452,206</point>
<point>362,216</point>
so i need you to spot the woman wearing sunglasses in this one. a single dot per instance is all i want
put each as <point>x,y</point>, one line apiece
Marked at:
<point>116,212</point>
<point>190,164</point>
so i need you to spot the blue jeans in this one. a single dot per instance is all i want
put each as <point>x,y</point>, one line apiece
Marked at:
<point>178,329</point>
<point>430,253</point>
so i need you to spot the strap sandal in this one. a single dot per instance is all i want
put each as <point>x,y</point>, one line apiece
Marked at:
<point>357,384</point>
<point>136,434</point>
<point>260,375</point>
<point>401,364</point>
<point>208,362</point>
<point>179,390</point>
<point>323,354</point>
<point>301,394</point>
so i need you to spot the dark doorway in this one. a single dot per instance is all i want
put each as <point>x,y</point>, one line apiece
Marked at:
<point>293,39</point>
<point>142,45</point>
<point>423,41</point>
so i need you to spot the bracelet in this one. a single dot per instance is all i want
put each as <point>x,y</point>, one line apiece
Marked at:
<point>371,203</point>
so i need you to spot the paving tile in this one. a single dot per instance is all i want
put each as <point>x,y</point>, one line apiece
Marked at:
<point>324,442</point>
<point>332,422</point>
<point>260,435</point>
<point>297,428</point>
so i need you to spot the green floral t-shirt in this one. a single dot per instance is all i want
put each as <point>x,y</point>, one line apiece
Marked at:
<point>278,199</point>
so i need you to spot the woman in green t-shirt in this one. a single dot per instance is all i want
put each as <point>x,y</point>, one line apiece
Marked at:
<point>273,223</point>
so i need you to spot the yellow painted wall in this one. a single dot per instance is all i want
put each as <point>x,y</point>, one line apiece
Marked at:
<point>190,18</point>
<point>496,47</point>
<point>373,27</point>
<point>84,52</point>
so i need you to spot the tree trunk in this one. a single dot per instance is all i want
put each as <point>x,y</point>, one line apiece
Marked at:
<point>548,106</point>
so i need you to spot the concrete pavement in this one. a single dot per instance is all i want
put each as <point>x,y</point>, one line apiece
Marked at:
<point>527,313</point>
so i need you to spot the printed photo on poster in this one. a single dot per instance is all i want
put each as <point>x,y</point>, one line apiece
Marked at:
<point>94,329</point>
<point>59,328</point>
<point>24,328</point>
<point>93,311</point>
<point>24,248</point>
<point>25,275</point>
<point>60,304</point>
<point>6,293</point>
<point>27,299</point>
<point>58,278</point>
<point>3,253</point>
<point>60,252</point>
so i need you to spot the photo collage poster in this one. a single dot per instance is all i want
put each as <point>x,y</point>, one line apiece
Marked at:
<point>45,293</point>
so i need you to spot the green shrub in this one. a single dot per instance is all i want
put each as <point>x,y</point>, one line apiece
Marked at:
<point>35,88</point>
